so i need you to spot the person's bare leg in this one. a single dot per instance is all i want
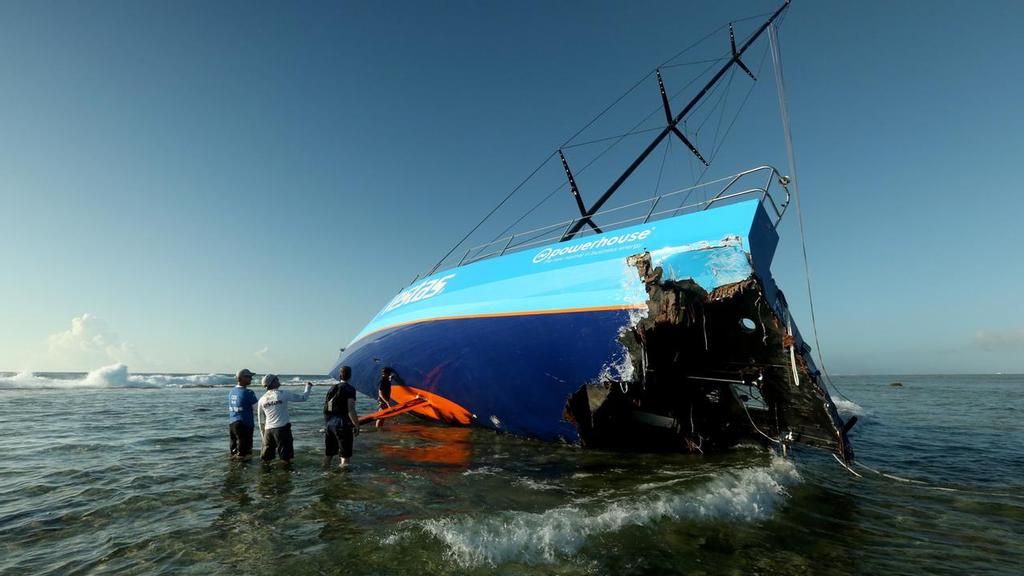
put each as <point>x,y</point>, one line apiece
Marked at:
<point>344,463</point>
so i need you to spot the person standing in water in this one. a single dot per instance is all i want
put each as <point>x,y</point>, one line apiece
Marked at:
<point>277,430</point>
<point>388,376</point>
<point>340,418</point>
<point>241,404</point>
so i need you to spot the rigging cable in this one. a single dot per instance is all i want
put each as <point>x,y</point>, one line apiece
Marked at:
<point>661,170</point>
<point>773,40</point>
<point>775,440</point>
<point>491,213</point>
<point>618,139</point>
<point>578,132</point>
<point>607,108</point>
<point>928,486</point>
<point>718,148</point>
<point>617,136</point>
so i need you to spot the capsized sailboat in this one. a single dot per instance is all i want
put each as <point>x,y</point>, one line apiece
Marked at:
<point>665,331</point>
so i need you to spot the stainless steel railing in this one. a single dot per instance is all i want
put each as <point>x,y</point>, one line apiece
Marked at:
<point>728,189</point>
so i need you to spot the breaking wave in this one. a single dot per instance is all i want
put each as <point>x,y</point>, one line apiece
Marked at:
<point>749,494</point>
<point>848,408</point>
<point>113,376</point>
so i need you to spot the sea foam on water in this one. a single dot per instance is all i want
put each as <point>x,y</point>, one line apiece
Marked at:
<point>112,376</point>
<point>749,494</point>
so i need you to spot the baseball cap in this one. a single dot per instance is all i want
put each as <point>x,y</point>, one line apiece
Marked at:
<point>243,373</point>
<point>271,381</point>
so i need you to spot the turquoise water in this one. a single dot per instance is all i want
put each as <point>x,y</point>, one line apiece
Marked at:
<point>118,473</point>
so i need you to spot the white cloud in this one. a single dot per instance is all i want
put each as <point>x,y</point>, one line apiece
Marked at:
<point>264,356</point>
<point>89,343</point>
<point>999,340</point>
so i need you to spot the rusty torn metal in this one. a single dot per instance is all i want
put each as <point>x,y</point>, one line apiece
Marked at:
<point>709,371</point>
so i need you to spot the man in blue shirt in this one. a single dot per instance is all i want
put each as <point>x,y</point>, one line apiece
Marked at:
<point>241,402</point>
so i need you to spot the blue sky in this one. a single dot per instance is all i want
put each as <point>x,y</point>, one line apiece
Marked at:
<point>195,186</point>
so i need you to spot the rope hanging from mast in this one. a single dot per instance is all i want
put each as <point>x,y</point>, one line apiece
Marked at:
<point>780,84</point>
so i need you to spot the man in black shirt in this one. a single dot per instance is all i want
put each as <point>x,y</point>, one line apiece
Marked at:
<point>341,420</point>
<point>388,376</point>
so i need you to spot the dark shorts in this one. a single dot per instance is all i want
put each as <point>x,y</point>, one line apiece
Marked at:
<point>241,439</point>
<point>278,442</point>
<point>338,439</point>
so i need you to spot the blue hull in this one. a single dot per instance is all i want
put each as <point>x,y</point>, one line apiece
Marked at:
<point>514,373</point>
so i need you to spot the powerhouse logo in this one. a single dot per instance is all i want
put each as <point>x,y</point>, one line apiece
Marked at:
<point>549,254</point>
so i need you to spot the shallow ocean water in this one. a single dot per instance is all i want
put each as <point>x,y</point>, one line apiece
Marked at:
<point>118,473</point>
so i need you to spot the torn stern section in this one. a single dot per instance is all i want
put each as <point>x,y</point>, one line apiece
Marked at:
<point>710,370</point>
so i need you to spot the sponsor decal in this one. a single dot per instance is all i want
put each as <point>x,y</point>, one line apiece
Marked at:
<point>549,254</point>
<point>421,291</point>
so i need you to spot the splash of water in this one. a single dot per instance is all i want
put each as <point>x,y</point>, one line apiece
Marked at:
<point>112,376</point>
<point>749,494</point>
<point>848,408</point>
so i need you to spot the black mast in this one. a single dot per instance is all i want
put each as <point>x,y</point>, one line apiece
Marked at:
<point>671,128</point>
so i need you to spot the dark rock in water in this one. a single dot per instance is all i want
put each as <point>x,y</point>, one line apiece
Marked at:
<point>896,385</point>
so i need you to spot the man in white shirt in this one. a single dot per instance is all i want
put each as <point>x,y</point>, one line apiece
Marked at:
<point>277,427</point>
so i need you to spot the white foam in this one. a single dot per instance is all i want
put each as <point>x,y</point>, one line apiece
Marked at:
<point>115,376</point>
<point>745,495</point>
<point>185,380</point>
<point>618,370</point>
<point>23,380</point>
<point>483,470</point>
<point>848,408</point>
<point>531,484</point>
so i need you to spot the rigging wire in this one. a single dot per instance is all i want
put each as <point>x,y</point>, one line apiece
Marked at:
<point>581,130</point>
<point>721,114</point>
<point>661,170</point>
<point>721,99</point>
<point>780,84</point>
<point>774,440</point>
<point>750,91</point>
<point>929,486</point>
<point>640,81</point>
<point>718,148</point>
<point>491,213</point>
<point>761,15</point>
<point>607,108</point>
<point>693,63</point>
<point>654,111</point>
<point>696,43</point>
<point>564,184</point>
<point>619,138</point>
<point>599,140</point>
